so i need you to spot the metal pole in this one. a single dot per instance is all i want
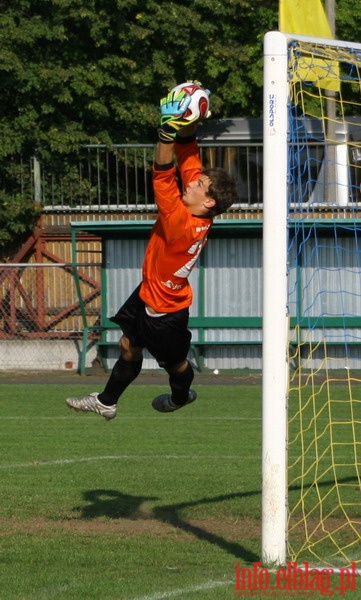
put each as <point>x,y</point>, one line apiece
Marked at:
<point>37,180</point>
<point>331,15</point>
<point>330,146</point>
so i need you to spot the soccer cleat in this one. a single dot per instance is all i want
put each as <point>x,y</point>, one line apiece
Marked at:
<point>165,404</point>
<point>92,404</point>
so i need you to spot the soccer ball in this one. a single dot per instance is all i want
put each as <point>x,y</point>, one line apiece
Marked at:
<point>198,108</point>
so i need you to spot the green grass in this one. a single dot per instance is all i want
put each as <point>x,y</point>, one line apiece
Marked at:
<point>128,508</point>
<point>147,506</point>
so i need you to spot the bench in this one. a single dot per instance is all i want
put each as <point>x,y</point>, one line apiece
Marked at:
<point>201,324</point>
<point>197,345</point>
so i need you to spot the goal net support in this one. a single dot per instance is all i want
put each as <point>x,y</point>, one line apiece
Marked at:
<point>311,451</point>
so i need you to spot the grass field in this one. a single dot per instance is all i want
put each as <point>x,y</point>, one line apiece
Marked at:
<point>145,507</point>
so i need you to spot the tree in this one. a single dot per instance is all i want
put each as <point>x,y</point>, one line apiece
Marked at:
<point>76,73</point>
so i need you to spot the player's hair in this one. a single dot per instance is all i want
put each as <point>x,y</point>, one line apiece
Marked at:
<point>222,189</point>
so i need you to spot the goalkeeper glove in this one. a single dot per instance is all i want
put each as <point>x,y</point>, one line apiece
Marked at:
<point>172,109</point>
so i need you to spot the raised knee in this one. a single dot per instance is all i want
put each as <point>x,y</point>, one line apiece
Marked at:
<point>178,368</point>
<point>128,351</point>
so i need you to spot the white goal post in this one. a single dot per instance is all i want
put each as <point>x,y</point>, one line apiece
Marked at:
<point>274,369</point>
<point>276,313</point>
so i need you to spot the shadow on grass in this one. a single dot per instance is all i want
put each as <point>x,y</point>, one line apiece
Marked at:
<point>113,504</point>
<point>116,505</point>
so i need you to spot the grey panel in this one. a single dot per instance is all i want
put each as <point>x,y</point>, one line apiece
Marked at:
<point>233,279</point>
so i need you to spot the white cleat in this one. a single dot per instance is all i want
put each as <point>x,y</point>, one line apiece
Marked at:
<point>92,404</point>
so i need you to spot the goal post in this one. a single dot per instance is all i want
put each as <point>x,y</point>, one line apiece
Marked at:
<point>311,434</point>
<point>275,333</point>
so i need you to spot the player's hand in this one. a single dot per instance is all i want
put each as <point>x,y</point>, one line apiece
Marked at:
<point>172,108</point>
<point>187,131</point>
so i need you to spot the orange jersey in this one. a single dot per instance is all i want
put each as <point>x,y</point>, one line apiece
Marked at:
<point>177,237</point>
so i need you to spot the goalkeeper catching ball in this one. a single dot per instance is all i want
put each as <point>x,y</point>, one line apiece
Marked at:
<point>155,316</point>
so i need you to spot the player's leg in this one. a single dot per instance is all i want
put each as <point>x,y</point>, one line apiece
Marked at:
<point>168,339</point>
<point>125,370</point>
<point>180,378</point>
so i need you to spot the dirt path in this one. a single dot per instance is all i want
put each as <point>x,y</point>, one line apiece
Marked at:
<point>99,377</point>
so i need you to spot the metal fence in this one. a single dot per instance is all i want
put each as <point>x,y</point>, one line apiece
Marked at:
<point>41,324</point>
<point>120,177</point>
<point>101,178</point>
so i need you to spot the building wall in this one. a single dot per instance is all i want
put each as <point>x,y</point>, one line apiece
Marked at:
<point>231,268</point>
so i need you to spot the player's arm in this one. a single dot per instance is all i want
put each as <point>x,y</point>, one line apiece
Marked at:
<point>172,108</point>
<point>188,155</point>
<point>165,150</point>
<point>171,211</point>
<point>174,130</point>
<point>188,132</point>
<point>172,122</point>
<point>164,154</point>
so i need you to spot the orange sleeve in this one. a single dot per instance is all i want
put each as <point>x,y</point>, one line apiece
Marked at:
<point>177,236</point>
<point>168,196</point>
<point>189,161</point>
<point>172,214</point>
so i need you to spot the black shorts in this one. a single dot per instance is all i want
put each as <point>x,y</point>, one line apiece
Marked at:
<point>167,338</point>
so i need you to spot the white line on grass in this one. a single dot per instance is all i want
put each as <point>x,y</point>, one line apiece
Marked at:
<point>150,457</point>
<point>135,418</point>
<point>181,591</point>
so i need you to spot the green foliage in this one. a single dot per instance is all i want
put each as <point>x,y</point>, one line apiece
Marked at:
<point>18,216</point>
<point>348,21</point>
<point>76,73</point>
<point>18,212</point>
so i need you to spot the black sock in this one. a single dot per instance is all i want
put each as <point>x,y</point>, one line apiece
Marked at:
<point>180,384</point>
<point>123,373</point>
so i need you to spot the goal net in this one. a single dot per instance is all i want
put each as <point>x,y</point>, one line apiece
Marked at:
<point>312,301</point>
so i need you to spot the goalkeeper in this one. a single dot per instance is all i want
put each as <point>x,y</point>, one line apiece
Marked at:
<point>155,316</point>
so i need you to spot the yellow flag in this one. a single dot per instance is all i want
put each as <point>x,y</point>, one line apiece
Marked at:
<point>308,17</point>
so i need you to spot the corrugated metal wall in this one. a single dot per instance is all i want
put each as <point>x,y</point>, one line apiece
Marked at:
<point>232,287</point>
<point>325,284</point>
<point>329,275</point>
<point>324,281</point>
<point>233,278</point>
<point>124,258</point>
